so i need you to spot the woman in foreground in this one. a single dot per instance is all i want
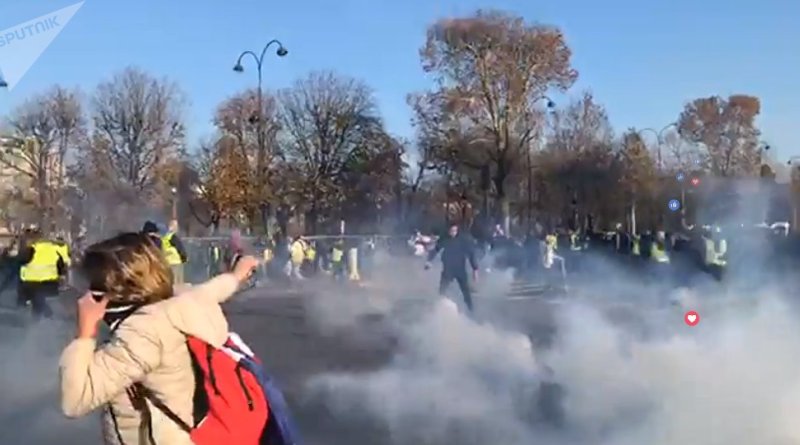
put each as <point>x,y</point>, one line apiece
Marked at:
<point>131,289</point>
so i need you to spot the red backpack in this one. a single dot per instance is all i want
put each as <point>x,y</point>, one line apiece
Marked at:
<point>230,404</point>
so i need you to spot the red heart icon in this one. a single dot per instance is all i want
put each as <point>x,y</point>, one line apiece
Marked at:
<point>695,181</point>
<point>691,318</point>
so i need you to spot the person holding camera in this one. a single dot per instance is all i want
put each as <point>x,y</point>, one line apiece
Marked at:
<point>131,290</point>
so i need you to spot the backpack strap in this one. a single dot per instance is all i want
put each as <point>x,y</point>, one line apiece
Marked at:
<point>138,393</point>
<point>145,393</point>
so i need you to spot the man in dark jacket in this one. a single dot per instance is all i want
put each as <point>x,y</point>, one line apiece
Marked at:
<point>151,229</point>
<point>456,251</point>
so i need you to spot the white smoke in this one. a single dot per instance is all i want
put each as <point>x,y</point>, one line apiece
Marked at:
<point>29,407</point>
<point>733,379</point>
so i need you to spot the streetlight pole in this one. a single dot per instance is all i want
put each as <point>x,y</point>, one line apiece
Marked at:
<point>550,105</point>
<point>659,140</point>
<point>260,140</point>
<point>174,203</point>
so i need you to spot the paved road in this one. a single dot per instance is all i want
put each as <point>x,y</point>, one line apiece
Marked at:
<point>311,329</point>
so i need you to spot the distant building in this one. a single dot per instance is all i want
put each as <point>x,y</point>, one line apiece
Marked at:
<point>18,190</point>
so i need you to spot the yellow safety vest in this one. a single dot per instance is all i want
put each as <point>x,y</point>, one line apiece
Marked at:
<point>63,250</point>
<point>573,242</point>
<point>170,252</point>
<point>658,254</point>
<point>551,241</point>
<point>336,255</point>
<point>298,252</point>
<point>267,255</point>
<point>635,250</point>
<point>311,253</point>
<point>712,255</point>
<point>43,266</point>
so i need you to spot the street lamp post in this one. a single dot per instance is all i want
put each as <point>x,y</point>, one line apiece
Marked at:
<point>550,106</point>
<point>174,203</point>
<point>659,140</point>
<point>763,148</point>
<point>260,141</point>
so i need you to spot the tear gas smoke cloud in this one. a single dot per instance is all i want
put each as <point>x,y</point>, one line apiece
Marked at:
<point>29,404</point>
<point>631,371</point>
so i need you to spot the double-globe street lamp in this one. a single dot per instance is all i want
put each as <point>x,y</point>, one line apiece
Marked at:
<point>659,140</point>
<point>281,51</point>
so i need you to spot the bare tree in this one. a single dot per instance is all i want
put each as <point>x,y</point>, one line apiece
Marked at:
<point>637,173</point>
<point>492,69</point>
<point>223,182</point>
<point>682,155</point>
<point>372,181</point>
<point>579,145</point>
<point>238,119</point>
<point>580,126</point>
<point>44,132</point>
<point>416,170</point>
<point>726,129</point>
<point>330,122</point>
<point>137,129</point>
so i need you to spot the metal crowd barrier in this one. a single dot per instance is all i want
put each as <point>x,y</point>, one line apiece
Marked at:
<point>199,266</point>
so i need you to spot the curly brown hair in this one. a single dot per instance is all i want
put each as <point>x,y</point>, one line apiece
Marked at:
<point>129,269</point>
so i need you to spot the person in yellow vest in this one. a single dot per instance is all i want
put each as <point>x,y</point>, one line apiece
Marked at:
<point>575,244</point>
<point>715,248</point>
<point>338,261</point>
<point>63,250</point>
<point>267,255</point>
<point>311,257</point>
<point>636,249</point>
<point>658,249</point>
<point>174,252</point>
<point>297,256</point>
<point>39,275</point>
<point>214,260</point>
<point>549,247</point>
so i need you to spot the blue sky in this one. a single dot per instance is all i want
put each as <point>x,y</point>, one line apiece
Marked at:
<point>642,59</point>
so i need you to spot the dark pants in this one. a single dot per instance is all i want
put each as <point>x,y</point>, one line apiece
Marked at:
<point>37,294</point>
<point>338,268</point>
<point>716,271</point>
<point>463,284</point>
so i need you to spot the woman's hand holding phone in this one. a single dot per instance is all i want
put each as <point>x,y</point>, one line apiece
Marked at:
<point>91,310</point>
<point>245,267</point>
